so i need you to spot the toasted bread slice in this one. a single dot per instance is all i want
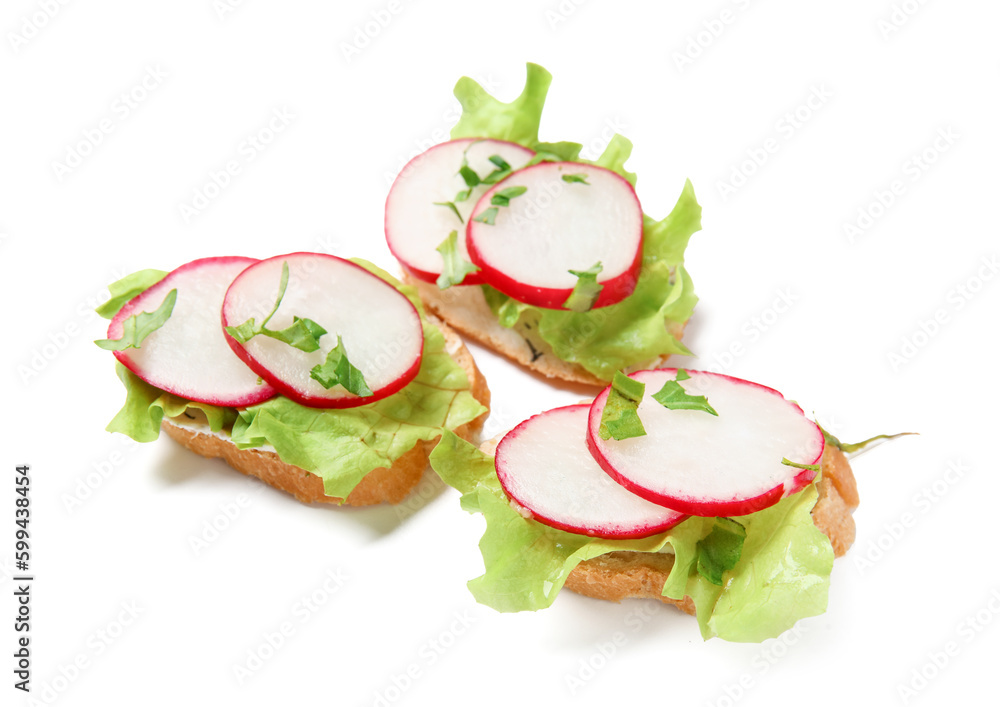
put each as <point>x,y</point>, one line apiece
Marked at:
<point>465,308</point>
<point>382,485</point>
<point>629,575</point>
<point>626,575</point>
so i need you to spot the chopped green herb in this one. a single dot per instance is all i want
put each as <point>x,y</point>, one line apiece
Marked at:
<point>451,205</point>
<point>586,291</point>
<point>495,176</point>
<point>500,163</point>
<point>303,334</point>
<point>808,467</point>
<point>673,396</point>
<point>488,217</point>
<point>136,328</point>
<point>469,175</point>
<point>628,387</point>
<point>249,329</point>
<point>720,550</point>
<point>501,171</point>
<point>337,369</point>
<point>243,332</point>
<point>859,447</point>
<point>472,180</point>
<point>576,179</point>
<point>455,266</point>
<point>620,418</point>
<point>503,197</point>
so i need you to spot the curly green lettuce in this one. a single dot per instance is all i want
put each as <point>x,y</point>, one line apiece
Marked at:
<point>128,287</point>
<point>339,446</point>
<point>782,576</point>
<point>643,326</point>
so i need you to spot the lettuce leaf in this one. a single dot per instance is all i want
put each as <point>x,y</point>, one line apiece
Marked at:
<point>146,406</point>
<point>792,561</point>
<point>618,150</point>
<point>340,446</point>
<point>483,116</point>
<point>645,325</point>
<point>783,574</point>
<point>128,287</point>
<point>517,121</point>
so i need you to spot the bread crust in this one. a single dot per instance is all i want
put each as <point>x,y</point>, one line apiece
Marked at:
<point>382,485</point>
<point>627,575</point>
<point>640,575</point>
<point>465,308</point>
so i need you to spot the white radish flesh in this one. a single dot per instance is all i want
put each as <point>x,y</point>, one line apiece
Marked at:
<point>416,223</point>
<point>544,466</point>
<point>379,327</point>
<point>557,226</point>
<point>707,465</point>
<point>188,356</point>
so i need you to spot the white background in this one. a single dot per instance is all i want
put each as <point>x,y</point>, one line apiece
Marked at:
<point>699,90</point>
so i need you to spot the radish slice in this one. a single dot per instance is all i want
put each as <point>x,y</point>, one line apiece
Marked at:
<point>544,466</point>
<point>557,226</point>
<point>379,327</point>
<point>707,465</point>
<point>188,356</point>
<point>415,225</point>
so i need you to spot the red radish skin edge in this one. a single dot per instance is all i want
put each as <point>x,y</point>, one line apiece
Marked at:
<point>528,514</point>
<point>473,278</point>
<point>615,290</point>
<point>531,515</point>
<point>131,307</point>
<point>691,506</point>
<point>311,400</point>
